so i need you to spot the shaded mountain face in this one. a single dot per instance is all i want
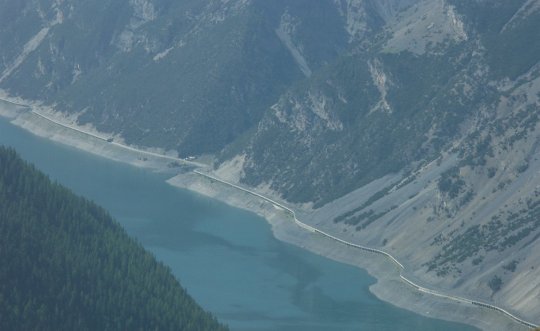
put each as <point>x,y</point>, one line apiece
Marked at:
<point>374,115</point>
<point>185,75</point>
<point>316,99</point>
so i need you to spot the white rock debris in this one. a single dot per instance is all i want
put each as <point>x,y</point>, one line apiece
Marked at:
<point>355,17</point>
<point>285,32</point>
<point>381,81</point>
<point>425,25</point>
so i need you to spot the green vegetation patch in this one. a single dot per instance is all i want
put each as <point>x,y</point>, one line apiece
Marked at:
<point>500,233</point>
<point>67,265</point>
<point>451,183</point>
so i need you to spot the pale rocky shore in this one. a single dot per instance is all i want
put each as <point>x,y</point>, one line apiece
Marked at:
<point>389,287</point>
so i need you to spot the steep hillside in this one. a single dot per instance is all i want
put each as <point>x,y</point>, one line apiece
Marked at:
<point>189,75</point>
<point>462,210</point>
<point>66,265</point>
<point>408,125</point>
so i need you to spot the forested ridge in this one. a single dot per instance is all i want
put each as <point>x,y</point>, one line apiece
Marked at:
<point>67,265</point>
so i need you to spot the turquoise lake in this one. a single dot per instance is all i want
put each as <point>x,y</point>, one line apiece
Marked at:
<point>227,258</point>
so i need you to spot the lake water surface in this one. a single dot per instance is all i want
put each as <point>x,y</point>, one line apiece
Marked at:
<point>227,258</point>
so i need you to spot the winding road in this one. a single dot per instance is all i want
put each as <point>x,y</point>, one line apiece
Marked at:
<point>376,251</point>
<point>296,220</point>
<point>107,139</point>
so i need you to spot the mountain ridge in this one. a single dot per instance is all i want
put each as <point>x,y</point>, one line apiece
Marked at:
<point>436,101</point>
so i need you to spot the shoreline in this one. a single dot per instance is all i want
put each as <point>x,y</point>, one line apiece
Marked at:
<point>391,285</point>
<point>389,257</point>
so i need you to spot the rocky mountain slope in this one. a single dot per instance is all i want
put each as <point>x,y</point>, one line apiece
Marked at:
<point>408,125</point>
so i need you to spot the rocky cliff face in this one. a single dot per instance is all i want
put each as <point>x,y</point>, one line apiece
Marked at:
<point>190,75</point>
<point>378,109</point>
<point>408,125</point>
